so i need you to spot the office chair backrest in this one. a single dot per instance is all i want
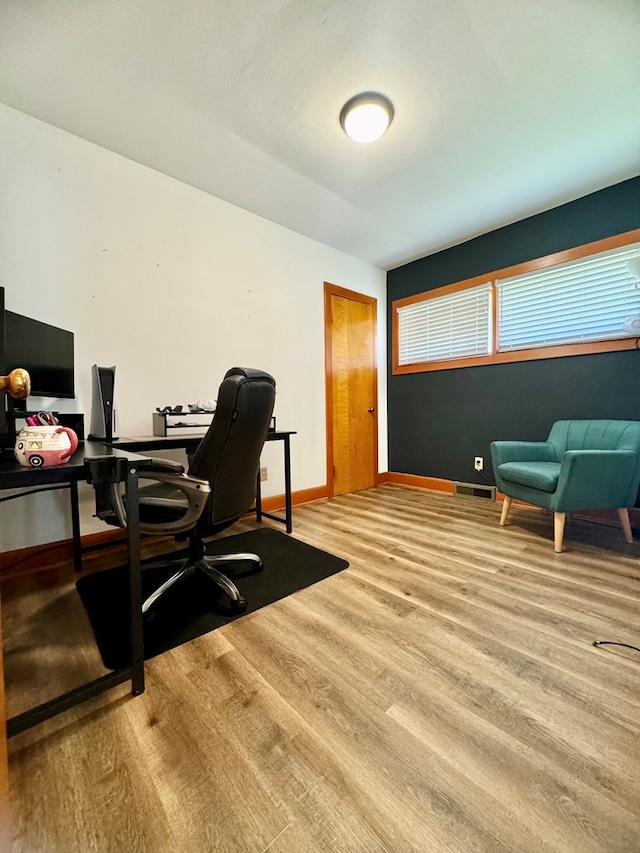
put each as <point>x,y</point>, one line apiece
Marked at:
<point>229,454</point>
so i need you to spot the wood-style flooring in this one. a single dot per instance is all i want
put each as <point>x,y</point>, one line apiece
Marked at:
<point>442,695</point>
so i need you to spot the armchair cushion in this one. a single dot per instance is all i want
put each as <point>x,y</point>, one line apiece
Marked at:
<point>538,475</point>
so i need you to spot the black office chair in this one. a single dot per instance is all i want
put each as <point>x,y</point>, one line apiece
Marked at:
<point>219,487</point>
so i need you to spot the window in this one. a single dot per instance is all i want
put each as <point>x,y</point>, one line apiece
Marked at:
<point>445,327</point>
<point>593,299</point>
<point>584,300</point>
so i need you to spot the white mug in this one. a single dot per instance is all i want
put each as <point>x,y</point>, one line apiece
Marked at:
<point>45,446</point>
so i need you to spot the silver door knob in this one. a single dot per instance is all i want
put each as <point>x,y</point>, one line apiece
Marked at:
<point>371,409</point>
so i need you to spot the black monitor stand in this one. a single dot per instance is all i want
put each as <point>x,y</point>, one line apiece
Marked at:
<point>9,410</point>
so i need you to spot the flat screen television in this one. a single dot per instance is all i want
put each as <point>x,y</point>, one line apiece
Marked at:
<point>45,351</point>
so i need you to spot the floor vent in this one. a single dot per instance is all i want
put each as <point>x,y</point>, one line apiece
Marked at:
<point>474,490</point>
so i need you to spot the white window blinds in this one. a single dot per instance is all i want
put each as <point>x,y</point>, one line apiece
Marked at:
<point>595,298</point>
<point>446,327</point>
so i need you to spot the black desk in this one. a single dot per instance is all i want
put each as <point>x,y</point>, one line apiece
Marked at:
<point>189,442</point>
<point>14,476</point>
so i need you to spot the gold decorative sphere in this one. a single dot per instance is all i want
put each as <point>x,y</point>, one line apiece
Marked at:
<point>17,383</point>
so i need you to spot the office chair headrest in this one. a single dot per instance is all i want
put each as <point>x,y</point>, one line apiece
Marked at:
<point>249,373</point>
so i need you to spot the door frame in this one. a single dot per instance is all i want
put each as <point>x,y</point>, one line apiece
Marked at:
<point>335,290</point>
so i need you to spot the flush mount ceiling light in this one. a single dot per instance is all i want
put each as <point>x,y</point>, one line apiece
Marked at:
<point>366,116</point>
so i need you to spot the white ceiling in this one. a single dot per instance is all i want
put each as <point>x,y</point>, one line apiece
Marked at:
<point>504,108</point>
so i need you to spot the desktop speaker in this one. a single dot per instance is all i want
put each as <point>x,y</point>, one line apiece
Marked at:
<point>103,412</point>
<point>74,421</point>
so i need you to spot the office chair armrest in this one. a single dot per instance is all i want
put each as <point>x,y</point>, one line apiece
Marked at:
<point>194,489</point>
<point>111,506</point>
<point>155,463</point>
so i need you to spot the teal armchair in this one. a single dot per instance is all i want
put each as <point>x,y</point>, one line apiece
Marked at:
<point>582,465</point>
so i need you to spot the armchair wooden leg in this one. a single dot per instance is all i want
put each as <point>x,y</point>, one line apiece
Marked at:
<point>623,515</point>
<point>559,519</point>
<point>506,506</point>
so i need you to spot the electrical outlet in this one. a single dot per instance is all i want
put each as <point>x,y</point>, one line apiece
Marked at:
<point>478,463</point>
<point>264,474</point>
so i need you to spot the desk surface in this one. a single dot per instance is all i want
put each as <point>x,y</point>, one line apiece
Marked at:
<point>185,439</point>
<point>15,476</point>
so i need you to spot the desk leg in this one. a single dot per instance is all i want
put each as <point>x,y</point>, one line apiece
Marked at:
<point>4,761</point>
<point>135,584</point>
<point>134,672</point>
<point>75,526</point>
<point>287,484</point>
<point>258,497</point>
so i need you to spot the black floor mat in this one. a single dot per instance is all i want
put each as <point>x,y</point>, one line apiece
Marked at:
<point>195,605</point>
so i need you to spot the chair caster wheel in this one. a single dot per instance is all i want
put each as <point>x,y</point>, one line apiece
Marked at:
<point>239,606</point>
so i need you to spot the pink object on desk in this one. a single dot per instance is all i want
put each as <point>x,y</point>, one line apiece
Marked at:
<point>45,446</point>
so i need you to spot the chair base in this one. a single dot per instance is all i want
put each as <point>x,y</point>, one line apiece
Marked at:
<point>207,565</point>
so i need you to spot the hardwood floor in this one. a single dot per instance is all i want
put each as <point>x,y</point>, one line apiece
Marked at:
<point>441,694</point>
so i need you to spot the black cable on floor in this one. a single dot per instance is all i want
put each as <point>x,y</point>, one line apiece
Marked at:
<point>35,491</point>
<point>611,643</point>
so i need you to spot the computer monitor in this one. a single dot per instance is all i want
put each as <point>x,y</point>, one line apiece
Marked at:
<point>45,351</point>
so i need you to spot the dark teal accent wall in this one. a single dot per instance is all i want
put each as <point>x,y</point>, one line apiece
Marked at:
<point>439,421</point>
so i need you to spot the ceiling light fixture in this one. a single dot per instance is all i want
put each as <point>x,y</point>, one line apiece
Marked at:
<point>366,116</point>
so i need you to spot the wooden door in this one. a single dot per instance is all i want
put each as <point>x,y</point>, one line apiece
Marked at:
<point>352,418</point>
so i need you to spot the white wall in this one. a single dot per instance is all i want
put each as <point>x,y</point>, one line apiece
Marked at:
<point>171,285</point>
